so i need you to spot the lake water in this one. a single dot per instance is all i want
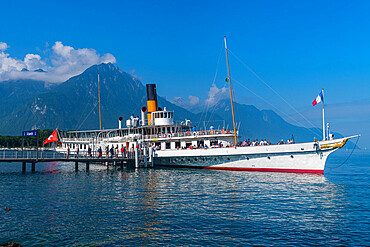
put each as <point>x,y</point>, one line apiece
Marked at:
<point>58,207</point>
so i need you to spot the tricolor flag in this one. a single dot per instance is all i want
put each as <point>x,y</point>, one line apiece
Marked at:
<point>52,138</point>
<point>318,99</point>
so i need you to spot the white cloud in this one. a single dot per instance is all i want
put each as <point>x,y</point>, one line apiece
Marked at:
<point>187,104</point>
<point>66,62</point>
<point>3,46</point>
<point>216,94</point>
<point>193,100</point>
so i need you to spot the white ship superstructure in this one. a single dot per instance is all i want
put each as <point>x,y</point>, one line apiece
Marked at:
<point>181,145</point>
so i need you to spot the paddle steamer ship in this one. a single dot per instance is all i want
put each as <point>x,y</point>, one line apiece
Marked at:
<point>181,145</point>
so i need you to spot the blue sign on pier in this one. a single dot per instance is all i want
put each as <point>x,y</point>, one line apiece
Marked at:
<point>29,133</point>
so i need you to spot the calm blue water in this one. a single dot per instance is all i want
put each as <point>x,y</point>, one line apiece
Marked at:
<point>57,207</point>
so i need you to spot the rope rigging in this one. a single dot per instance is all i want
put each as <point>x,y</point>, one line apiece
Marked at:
<point>79,126</point>
<point>260,79</point>
<point>207,105</point>
<point>277,109</point>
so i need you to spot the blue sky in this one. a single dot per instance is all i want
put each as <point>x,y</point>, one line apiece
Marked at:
<point>297,47</point>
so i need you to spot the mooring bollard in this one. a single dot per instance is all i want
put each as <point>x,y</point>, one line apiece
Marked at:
<point>23,167</point>
<point>145,157</point>
<point>136,158</point>
<point>151,156</point>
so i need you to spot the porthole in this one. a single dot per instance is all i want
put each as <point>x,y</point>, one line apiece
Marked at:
<point>247,158</point>
<point>268,157</point>
<point>228,158</point>
<point>195,159</point>
<point>215,159</point>
<point>291,156</point>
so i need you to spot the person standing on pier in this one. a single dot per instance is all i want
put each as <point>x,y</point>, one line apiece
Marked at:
<point>107,151</point>
<point>100,152</point>
<point>89,152</point>
<point>112,152</point>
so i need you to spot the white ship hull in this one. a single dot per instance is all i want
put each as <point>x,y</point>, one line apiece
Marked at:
<point>299,158</point>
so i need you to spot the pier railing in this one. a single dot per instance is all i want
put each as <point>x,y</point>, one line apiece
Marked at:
<point>49,154</point>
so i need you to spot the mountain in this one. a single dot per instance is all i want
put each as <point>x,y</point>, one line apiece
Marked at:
<point>74,105</point>
<point>14,94</point>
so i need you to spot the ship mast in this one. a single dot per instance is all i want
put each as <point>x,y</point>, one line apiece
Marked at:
<point>99,101</point>
<point>231,94</point>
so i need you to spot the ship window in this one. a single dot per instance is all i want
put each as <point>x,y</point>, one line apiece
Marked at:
<point>165,115</point>
<point>161,115</point>
<point>168,145</point>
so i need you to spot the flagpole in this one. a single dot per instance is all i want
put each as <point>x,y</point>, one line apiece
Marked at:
<point>231,95</point>
<point>323,115</point>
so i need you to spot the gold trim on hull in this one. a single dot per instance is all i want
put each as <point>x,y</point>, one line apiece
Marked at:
<point>335,145</point>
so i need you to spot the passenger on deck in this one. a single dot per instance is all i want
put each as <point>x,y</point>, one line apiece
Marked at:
<point>212,129</point>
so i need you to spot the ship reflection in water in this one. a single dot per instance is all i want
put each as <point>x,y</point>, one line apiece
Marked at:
<point>181,207</point>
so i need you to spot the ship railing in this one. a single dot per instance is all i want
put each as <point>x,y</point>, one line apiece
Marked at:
<point>78,139</point>
<point>191,133</point>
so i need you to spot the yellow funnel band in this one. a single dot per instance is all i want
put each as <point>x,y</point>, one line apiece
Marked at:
<point>152,105</point>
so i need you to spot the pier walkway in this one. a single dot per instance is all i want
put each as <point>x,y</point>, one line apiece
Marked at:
<point>134,159</point>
